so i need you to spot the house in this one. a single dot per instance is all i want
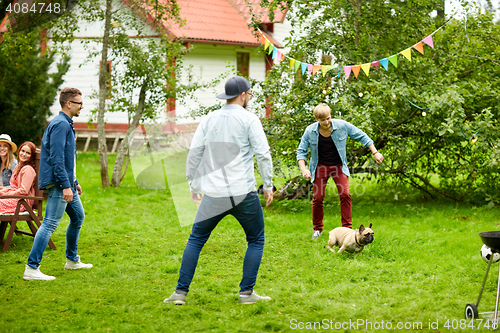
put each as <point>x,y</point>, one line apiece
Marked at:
<point>216,33</point>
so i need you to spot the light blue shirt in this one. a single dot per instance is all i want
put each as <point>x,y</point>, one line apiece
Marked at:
<point>220,162</point>
<point>340,131</point>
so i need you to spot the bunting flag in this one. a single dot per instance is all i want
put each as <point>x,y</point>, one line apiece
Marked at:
<point>428,40</point>
<point>347,70</point>
<point>366,68</point>
<point>266,44</point>
<point>419,47</point>
<point>385,63</point>
<point>324,69</point>
<point>355,70</point>
<point>310,68</point>
<point>304,67</point>
<point>297,65</point>
<point>407,53</point>
<point>394,60</point>
<point>313,69</point>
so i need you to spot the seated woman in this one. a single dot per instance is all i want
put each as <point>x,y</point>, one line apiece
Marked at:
<point>7,158</point>
<point>23,179</point>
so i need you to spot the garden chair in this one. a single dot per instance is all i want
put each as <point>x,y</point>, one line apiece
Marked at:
<point>30,215</point>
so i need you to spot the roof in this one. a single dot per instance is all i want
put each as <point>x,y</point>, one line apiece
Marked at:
<point>219,21</point>
<point>214,21</point>
<point>243,7</point>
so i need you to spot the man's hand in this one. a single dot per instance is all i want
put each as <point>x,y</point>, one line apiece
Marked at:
<point>268,195</point>
<point>378,157</point>
<point>79,189</point>
<point>68,194</point>
<point>196,198</point>
<point>306,174</point>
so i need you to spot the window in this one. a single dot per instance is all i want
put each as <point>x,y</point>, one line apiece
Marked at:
<point>243,63</point>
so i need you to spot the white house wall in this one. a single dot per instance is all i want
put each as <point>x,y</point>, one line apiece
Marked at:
<point>208,62</point>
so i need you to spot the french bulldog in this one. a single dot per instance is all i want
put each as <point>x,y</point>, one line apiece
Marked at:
<point>352,241</point>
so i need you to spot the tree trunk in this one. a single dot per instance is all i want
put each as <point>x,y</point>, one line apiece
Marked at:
<point>122,151</point>
<point>103,90</point>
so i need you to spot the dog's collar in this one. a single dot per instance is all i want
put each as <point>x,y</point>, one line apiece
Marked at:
<point>356,240</point>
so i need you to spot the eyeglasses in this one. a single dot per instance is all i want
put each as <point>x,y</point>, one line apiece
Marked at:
<point>80,103</point>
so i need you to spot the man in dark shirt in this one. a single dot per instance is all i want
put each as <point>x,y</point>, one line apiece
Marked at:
<point>327,139</point>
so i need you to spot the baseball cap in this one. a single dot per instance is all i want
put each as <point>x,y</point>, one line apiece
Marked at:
<point>234,86</point>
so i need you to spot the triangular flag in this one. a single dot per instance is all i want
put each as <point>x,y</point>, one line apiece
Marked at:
<point>275,52</point>
<point>428,40</point>
<point>355,70</point>
<point>347,70</point>
<point>266,44</point>
<point>282,56</point>
<point>304,67</point>
<point>324,69</point>
<point>419,47</point>
<point>297,65</point>
<point>375,64</point>
<point>292,63</point>
<point>407,53</point>
<point>330,67</point>
<point>309,69</point>
<point>394,60</point>
<point>385,63</point>
<point>366,68</point>
<point>278,55</point>
<point>262,40</point>
<point>271,48</point>
<point>316,68</point>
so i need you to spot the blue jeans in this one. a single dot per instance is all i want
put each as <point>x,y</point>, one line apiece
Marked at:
<point>54,211</point>
<point>249,214</point>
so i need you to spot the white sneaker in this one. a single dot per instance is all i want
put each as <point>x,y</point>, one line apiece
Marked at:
<point>250,297</point>
<point>35,274</point>
<point>316,234</point>
<point>76,264</point>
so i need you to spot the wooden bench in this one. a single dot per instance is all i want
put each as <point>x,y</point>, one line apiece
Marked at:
<point>30,215</point>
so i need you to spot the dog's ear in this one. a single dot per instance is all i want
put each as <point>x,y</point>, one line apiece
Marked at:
<point>361,228</point>
<point>370,226</point>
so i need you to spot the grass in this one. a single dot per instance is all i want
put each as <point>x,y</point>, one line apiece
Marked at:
<point>423,267</point>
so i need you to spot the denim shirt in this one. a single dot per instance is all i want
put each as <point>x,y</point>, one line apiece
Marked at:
<point>58,154</point>
<point>7,173</point>
<point>340,131</point>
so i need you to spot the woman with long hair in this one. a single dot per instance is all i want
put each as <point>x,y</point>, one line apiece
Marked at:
<point>7,159</point>
<point>22,181</point>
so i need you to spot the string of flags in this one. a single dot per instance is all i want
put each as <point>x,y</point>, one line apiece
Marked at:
<point>312,69</point>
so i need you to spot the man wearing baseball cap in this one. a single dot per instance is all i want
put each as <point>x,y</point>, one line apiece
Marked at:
<point>220,172</point>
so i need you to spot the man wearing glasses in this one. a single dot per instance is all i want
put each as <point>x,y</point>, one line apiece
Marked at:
<point>220,172</point>
<point>57,174</point>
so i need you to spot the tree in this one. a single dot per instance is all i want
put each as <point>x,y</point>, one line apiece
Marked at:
<point>422,115</point>
<point>27,90</point>
<point>142,61</point>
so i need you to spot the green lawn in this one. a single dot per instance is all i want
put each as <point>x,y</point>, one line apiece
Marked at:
<point>423,268</point>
